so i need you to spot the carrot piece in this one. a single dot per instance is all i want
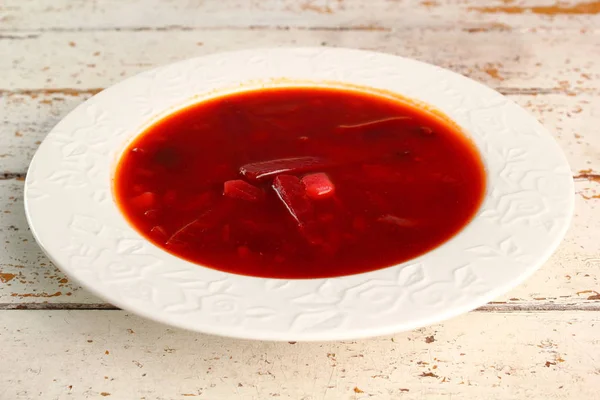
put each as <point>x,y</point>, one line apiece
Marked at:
<point>144,201</point>
<point>138,189</point>
<point>398,221</point>
<point>264,169</point>
<point>243,251</point>
<point>239,189</point>
<point>318,186</point>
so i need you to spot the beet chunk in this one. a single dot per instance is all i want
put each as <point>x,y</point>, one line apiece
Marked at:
<point>264,169</point>
<point>239,189</point>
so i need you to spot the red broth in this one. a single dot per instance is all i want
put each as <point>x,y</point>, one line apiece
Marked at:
<point>300,182</point>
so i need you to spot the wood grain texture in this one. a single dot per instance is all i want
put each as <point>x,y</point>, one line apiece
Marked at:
<point>554,62</point>
<point>110,354</point>
<point>474,15</point>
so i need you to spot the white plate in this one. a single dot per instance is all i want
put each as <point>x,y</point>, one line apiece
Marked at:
<point>70,207</point>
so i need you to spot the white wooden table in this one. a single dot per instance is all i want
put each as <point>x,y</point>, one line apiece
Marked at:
<point>542,340</point>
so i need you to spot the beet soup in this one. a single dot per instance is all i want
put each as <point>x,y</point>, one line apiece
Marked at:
<point>300,182</point>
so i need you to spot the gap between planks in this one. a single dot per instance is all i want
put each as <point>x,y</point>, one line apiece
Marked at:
<point>490,307</point>
<point>24,34</point>
<point>17,33</point>
<point>5,176</point>
<point>34,33</point>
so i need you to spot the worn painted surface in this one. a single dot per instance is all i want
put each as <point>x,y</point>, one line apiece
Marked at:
<point>538,341</point>
<point>66,62</point>
<point>96,354</point>
<point>63,15</point>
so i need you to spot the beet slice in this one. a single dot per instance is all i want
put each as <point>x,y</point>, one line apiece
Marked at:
<point>295,165</point>
<point>291,192</point>
<point>239,189</point>
<point>318,186</point>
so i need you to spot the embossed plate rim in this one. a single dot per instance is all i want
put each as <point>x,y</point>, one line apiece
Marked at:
<point>525,214</point>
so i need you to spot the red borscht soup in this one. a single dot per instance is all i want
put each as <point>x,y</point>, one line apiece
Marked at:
<point>300,182</point>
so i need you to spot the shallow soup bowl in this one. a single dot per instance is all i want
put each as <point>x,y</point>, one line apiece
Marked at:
<point>74,217</point>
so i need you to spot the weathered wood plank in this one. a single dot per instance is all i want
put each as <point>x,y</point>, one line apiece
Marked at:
<point>26,274</point>
<point>569,279</point>
<point>110,354</point>
<point>63,61</point>
<point>44,78</point>
<point>470,15</point>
